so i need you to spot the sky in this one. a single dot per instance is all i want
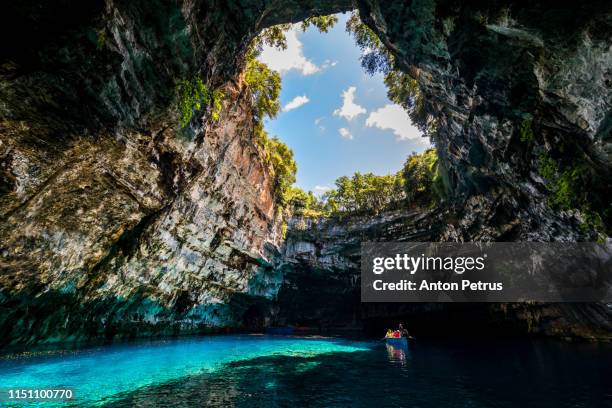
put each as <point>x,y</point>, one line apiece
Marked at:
<point>335,117</point>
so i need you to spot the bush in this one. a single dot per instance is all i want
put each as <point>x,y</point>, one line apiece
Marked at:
<point>425,182</point>
<point>526,130</point>
<point>280,158</point>
<point>264,86</point>
<point>305,203</point>
<point>576,186</point>
<point>364,193</point>
<point>193,95</point>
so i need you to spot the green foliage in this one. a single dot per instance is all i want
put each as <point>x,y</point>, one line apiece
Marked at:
<point>375,57</point>
<point>217,104</point>
<point>280,159</point>
<point>101,38</point>
<point>422,181</point>
<point>193,95</point>
<point>305,203</point>
<point>275,36</point>
<point>562,184</point>
<point>401,87</point>
<point>364,193</point>
<point>322,23</point>
<point>571,187</point>
<point>404,90</point>
<point>425,182</point>
<point>264,86</point>
<point>440,186</point>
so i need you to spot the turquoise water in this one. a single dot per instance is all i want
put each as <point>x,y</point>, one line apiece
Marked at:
<point>276,371</point>
<point>98,375</point>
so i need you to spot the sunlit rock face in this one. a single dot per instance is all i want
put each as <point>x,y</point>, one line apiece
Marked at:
<point>115,221</point>
<point>156,230</point>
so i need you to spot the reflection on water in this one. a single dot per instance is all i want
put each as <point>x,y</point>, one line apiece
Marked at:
<point>275,371</point>
<point>397,354</point>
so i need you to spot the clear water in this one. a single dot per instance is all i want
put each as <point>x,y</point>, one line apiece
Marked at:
<point>273,371</point>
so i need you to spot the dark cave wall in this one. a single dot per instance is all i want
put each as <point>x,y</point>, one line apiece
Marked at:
<point>510,82</point>
<point>322,277</point>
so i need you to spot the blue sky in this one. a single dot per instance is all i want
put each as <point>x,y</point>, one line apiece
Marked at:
<point>336,118</point>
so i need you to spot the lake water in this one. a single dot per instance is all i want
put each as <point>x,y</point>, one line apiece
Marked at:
<point>276,371</point>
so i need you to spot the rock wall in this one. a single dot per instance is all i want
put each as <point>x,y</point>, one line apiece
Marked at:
<point>320,264</point>
<point>149,230</point>
<point>116,220</point>
<point>321,287</point>
<point>506,83</point>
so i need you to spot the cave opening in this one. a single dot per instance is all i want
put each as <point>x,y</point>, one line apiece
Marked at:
<point>417,182</point>
<point>336,85</point>
<point>335,113</point>
<point>142,126</point>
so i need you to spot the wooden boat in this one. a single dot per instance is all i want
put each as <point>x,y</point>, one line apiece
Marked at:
<point>397,341</point>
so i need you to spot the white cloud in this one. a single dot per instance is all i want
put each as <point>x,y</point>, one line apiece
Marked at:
<point>320,190</point>
<point>328,64</point>
<point>296,103</point>
<point>319,124</point>
<point>290,58</point>
<point>344,132</point>
<point>349,109</point>
<point>395,118</point>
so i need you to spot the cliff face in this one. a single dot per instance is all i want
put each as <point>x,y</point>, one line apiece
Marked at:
<point>511,87</point>
<point>143,230</point>
<point>321,261</point>
<point>115,221</point>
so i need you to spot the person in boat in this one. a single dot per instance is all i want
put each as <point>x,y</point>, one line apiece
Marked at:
<point>397,334</point>
<point>389,333</point>
<point>403,331</point>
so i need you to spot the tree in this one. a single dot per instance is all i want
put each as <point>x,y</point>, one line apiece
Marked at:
<point>264,86</point>
<point>364,193</point>
<point>305,203</point>
<point>284,168</point>
<point>424,180</point>
<point>401,87</point>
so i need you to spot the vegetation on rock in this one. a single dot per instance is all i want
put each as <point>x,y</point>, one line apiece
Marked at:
<point>424,179</point>
<point>576,186</point>
<point>194,95</point>
<point>401,87</point>
<point>421,182</point>
<point>275,36</point>
<point>264,87</point>
<point>365,193</point>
